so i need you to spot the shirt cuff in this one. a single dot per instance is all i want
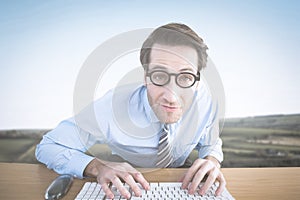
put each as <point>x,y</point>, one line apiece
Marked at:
<point>78,164</point>
<point>212,150</point>
<point>217,156</point>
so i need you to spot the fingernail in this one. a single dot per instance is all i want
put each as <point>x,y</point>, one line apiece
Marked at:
<point>127,195</point>
<point>201,192</point>
<point>137,194</point>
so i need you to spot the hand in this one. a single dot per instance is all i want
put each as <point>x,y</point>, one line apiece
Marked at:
<point>113,172</point>
<point>196,173</point>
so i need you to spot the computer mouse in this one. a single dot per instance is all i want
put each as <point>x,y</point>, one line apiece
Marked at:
<point>59,187</point>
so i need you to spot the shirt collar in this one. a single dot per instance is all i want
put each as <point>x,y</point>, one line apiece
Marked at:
<point>139,109</point>
<point>151,116</point>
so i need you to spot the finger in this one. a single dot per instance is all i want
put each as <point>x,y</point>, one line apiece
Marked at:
<point>209,181</point>
<point>133,185</point>
<point>140,179</point>
<point>190,173</point>
<point>222,185</point>
<point>120,186</point>
<point>198,177</point>
<point>107,191</point>
<point>181,178</point>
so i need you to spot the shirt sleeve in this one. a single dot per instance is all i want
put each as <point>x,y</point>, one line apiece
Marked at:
<point>210,143</point>
<point>63,149</point>
<point>214,150</point>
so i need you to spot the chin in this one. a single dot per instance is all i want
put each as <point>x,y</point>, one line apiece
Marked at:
<point>171,121</point>
<point>170,118</point>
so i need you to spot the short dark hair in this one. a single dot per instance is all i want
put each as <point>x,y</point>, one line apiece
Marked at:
<point>174,34</point>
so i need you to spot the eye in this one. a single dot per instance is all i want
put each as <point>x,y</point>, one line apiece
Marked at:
<point>159,76</point>
<point>185,78</point>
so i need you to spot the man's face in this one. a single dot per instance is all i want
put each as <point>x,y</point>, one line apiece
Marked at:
<point>169,102</point>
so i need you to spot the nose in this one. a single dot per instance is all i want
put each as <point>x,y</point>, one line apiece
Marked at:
<point>170,92</point>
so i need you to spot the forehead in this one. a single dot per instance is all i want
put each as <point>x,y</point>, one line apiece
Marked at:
<point>174,56</point>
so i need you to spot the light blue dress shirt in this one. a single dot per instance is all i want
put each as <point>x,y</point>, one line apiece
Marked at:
<point>124,120</point>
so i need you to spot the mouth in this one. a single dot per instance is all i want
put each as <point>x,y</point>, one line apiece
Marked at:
<point>169,108</point>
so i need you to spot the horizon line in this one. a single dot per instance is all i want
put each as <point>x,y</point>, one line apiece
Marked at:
<point>242,117</point>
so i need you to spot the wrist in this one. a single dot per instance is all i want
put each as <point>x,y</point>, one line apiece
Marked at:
<point>214,160</point>
<point>93,168</point>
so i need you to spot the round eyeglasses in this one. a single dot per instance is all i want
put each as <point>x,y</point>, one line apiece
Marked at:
<point>183,80</point>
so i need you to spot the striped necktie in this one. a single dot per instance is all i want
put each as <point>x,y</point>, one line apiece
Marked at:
<point>164,157</point>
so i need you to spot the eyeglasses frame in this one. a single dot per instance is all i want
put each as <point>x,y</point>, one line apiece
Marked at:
<point>197,77</point>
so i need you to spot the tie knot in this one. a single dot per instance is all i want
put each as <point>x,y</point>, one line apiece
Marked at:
<point>166,128</point>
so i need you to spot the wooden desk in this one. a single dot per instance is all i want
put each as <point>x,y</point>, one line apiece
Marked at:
<point>29,181</point>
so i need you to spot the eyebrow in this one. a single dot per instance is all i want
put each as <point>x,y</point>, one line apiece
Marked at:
<point>155,67</point>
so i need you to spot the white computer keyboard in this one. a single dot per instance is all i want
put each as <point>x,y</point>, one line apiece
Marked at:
<point>161,191</point>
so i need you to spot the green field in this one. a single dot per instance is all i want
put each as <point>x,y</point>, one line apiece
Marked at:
<point>19,145</point>
<point>13,148</point>
<point>267,141</point>
<point>264,141</point>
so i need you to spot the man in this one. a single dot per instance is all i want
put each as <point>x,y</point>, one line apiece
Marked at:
<point>168,117</point>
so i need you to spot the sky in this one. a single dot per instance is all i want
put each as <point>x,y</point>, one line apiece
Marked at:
<point>254,45</point>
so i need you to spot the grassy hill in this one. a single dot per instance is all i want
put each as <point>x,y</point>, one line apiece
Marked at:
<point>263,141</point>
<point>19,145</point>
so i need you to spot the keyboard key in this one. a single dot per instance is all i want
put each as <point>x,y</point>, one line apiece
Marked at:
<point>162,190</point>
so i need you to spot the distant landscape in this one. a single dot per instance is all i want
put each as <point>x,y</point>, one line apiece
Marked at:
<point>262,141</point>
